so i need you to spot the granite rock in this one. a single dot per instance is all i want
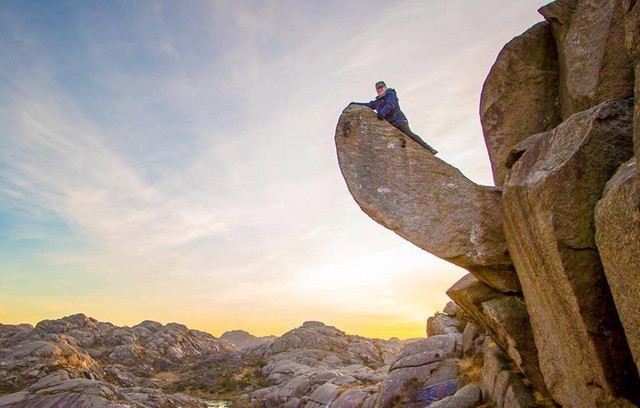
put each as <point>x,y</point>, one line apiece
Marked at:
<point>423,199</point>
<point>617,223</point>
<point>506,319</point>
<point>548,204</point>
<point>526,75</point>
<point>594,62</point>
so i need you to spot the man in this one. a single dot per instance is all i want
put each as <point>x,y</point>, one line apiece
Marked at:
<point>387,107</point>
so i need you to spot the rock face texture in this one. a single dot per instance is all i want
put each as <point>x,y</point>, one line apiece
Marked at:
<point>525,74</point>
<point>505,317</point>
<point>549,200</point>
<point>423,199</point>
<point>594,62</point>
<point>617,224</point>
<point>77,361</point>
<point>632,37</point>
<point>66,363</point>
<point>313,365</point>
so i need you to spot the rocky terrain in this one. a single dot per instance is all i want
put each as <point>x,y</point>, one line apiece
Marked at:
<point>77,361</point>
<point>553,248</point>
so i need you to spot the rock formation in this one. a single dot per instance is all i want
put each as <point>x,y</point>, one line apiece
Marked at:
<point>524,75</point>
<point>505,317</point>
<point>313,364</point>
<point>632,39</point>
<point>242,339</point>
<point>70,363</point>
<point>549,200</point>
<point>594,64</point>
<point>77,361</point>
<point>423,199</point>
<point>617,224</point>
<point>563,135</point>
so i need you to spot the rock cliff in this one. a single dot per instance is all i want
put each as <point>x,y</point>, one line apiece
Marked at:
<point>553,247</point>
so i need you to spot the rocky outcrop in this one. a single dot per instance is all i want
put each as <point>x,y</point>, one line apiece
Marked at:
<point>315,364</point>
<point>632,37</point>
<point>423,199</point>
<point>58,390</point>
<point>420,365</point>
<point>594,62</point>
<point>549,200</point>
<point>77,361</point>
<point>443,324</point>
<point>504,385</point>
<point>617,223</point>
<point>242,339</point>
<point>437,372</point>
<point>306,368</point>
<point>467,397</point>
<point>525,74</point>
<point>505,317</point>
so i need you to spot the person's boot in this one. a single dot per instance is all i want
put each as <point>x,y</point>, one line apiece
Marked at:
<point>429,148</point>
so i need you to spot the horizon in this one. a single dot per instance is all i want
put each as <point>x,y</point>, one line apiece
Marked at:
<point>214,334</point>
<point>175,162</point>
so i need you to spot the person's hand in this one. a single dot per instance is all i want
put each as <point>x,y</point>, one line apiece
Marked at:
<point>379,115</point>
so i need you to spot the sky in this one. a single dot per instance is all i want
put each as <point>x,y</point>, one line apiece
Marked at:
<point>174,160</point>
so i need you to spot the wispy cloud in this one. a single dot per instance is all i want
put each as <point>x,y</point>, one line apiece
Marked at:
<point>190,147</point>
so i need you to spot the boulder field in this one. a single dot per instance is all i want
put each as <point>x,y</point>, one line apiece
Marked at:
<point>78,362</point>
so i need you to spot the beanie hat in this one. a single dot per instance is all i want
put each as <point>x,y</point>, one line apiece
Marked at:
<point>380,84</point>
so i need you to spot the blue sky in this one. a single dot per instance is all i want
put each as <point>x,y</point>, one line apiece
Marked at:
<point>174,160</point>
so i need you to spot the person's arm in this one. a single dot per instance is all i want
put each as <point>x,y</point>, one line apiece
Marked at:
<point>369,104</point>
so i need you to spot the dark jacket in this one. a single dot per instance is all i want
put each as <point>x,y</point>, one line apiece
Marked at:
<point>388,107</point>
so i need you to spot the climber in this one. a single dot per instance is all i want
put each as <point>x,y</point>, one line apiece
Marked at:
<point>387,107</point>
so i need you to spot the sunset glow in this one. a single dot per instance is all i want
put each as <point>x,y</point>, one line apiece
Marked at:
<point>174,161</point>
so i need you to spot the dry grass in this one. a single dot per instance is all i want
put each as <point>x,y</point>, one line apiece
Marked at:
<point>470,369</point>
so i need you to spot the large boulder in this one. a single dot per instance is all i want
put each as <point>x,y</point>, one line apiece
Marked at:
<point>423,199</point>
<point>594,63</point>
<point>525,75</point>
<point>353,398</point>
<point>421,364</point>
<point>632,32</point>
<point>618,239</point>
<point>468,396</point>
<point>443,324</point>
<point>548,203</point>
<point>405,387</point>
<point>505,386</point>
<point>323,396</point>
<point>505,317</point>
